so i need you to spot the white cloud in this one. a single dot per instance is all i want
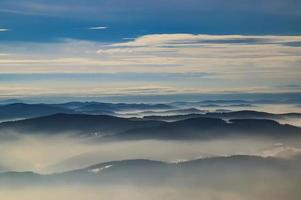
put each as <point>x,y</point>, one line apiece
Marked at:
<point>281,151</point>
<point>98,28</point>
<point>3,30</point>
<point>189,39</point>
<point>235,62</point>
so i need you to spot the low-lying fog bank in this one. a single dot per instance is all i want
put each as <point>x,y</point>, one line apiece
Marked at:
<point>269,169</point>
<point>140,193</point>
<point>222,178</point>
<point>47,154</point>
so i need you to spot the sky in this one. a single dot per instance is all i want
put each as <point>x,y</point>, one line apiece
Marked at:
<point>103,48</point>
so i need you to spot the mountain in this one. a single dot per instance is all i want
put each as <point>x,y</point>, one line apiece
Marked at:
<point>96,107</point>
<point>75,123</point>
<point>168,112</point>
<point>244,114</point>
<point>250,114</point>
<point>10,101</point>
<point>21,110</point>
<point>210,128</point>
<point>151,111</point>
<point>213,103</point>
<point>172,118</point>
<point>225,102</point>
<point>111,127</point>
<point>214,172</point>
<point>24,111</point>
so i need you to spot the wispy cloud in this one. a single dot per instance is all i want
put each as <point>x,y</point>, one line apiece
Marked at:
<point>191,39</point>
<point>98,28</point>
<point>3,30</point>
<point>254,63</point>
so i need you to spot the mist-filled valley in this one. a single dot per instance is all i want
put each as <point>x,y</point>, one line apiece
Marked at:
<point>235,177</point>
<point>150,100</point>
<point>181,150</point>
<point>62,153</point>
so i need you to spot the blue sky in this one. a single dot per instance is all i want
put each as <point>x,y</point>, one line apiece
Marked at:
<point>46,20</point>
<point>138,47</point>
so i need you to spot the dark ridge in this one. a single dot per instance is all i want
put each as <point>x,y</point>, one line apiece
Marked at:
<point>21,110</point>
<point>210,128</point>
<point>77,123</point>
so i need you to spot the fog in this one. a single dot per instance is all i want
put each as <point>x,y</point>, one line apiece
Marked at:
<point>47,154</point>
<point>117,193</point>
<point>270,108</point>
<point>291,121</point>
<point>244,191</point>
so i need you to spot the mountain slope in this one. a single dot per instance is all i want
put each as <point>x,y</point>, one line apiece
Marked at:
<point>244,114</point>
<point>96,107</point>
<point>210,128</point>
<point>24,111</point>
<point>21,110</point>
<point>75,123</point>
<point>134,129</point>
<point>215,171</point>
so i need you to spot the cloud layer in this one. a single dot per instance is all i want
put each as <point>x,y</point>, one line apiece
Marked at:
<point>220,63</point>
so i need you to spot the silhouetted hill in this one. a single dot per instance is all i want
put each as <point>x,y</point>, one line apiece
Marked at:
<point>10,101</point>
<point>171,112</point>
<point>171,118</point>
<point>217,171</point>
<point>96,107</point>
<point>24,111</point>
<point>225,102</point>
<point>75,123</point>
<point>251,114</point>
<point>123,128</point>
<point>209,128</point>
<point>21,110</point>
<point>244,114</point>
